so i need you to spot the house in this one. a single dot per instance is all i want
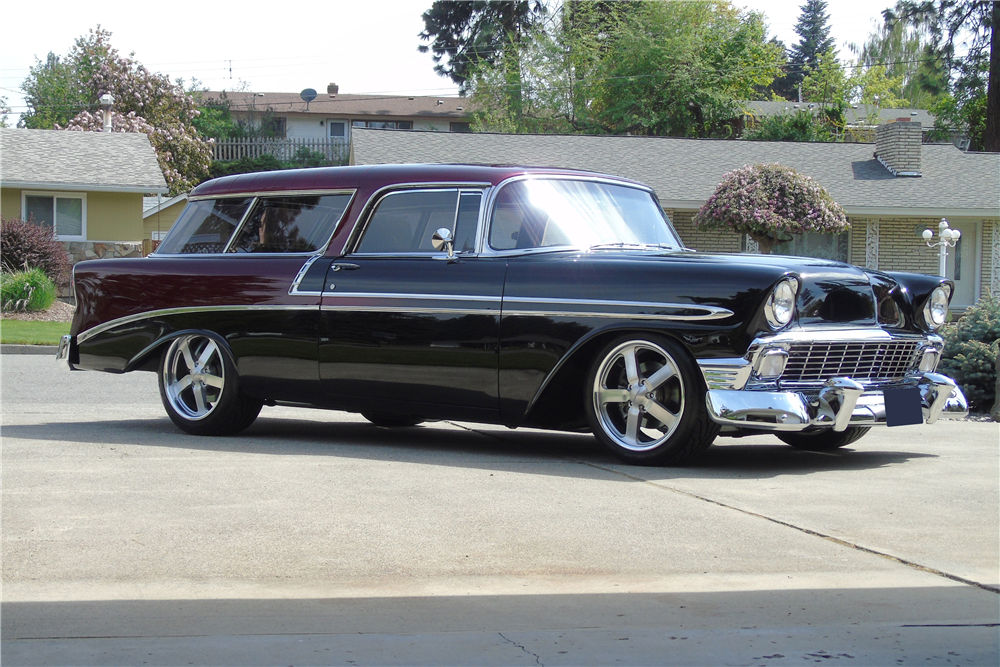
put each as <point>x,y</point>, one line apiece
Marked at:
<point>158,215</point>
<point>333,115</point>
<point>890,199</point>
<point>87,185</point>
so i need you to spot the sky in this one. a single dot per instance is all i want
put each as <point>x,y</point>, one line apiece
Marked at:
<point>365,47</point>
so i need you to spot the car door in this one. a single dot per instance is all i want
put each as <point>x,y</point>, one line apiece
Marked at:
<point>405,326</point>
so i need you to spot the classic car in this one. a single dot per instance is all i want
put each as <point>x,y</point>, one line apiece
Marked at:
<point>519,296</point>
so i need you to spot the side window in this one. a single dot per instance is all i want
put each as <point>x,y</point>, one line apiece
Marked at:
<point>290,224</point>
<point>204,226</point>
<point>516,223</point>
<point>404,222</point>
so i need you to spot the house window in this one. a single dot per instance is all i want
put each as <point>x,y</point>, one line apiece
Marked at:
<point>814,244</point>
<point>460,127</point>
<point>384,124</point>
<point>65,212</point>
<point>337,129</point>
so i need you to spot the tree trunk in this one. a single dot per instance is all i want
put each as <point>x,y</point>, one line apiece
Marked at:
<point>766,244</point>
<point>991,137</point>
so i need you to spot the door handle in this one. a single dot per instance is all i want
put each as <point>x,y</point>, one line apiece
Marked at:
<point>344,266</point>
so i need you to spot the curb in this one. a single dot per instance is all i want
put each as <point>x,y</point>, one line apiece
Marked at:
<point>30,349</point>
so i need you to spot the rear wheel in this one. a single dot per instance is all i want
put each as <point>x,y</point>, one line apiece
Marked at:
<point>391,421</point>
<point>647,402</point>
<point>821,441</point>
<point>200,388</point>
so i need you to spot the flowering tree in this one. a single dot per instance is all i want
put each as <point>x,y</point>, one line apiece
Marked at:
<point>64,93</point>
<point>770,203</point>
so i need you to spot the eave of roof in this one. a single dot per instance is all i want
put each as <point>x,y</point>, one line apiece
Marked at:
<point>82,187</point>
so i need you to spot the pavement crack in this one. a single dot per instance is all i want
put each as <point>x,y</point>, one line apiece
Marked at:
<point>802,529</point>
<point>535,656</point>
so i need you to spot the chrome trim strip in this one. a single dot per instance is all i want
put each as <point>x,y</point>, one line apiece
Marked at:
<point>276,193</point>
<point>711,312</point>
<point>417,311</point>
<point>293,290</point>
<point>627,316</point>
<point>423,297</point>
<point>138,317</point>
<point>361,222</point>
<point>730,373</point>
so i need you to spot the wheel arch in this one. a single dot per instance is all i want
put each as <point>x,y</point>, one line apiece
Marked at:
<point>148,359</point>
<point>568,377</point>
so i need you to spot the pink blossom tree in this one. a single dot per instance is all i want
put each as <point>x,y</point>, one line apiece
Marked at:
<point>770,203</point>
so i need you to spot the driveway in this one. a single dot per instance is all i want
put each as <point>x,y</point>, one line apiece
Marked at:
<point>317,538</point>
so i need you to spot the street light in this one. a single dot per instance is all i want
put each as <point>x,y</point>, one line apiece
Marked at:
<point>949,239</point>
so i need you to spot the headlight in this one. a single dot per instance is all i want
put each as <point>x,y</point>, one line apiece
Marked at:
<point>936,307</point>
<point>780,306</point>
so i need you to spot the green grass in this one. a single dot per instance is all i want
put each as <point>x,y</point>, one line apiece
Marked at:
<point>20,332</point>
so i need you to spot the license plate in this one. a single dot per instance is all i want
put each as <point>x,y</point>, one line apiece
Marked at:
<point>902,407</point>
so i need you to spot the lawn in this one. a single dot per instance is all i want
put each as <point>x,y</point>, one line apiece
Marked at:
<point>22,332</point>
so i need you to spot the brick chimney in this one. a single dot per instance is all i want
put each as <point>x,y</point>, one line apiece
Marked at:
<point>332,89</point>
<point>897,146</point>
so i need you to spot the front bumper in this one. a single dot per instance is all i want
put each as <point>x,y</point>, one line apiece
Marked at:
<point>840,403</point>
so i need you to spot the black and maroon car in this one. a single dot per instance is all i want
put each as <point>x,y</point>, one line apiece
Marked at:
<point>506,295</point>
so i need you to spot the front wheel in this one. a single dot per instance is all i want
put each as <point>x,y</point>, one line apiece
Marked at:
<point>647,402</point>
<point>200,388</point>
<point>822,441</point>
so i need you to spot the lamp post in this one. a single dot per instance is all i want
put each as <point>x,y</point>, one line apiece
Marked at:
<point>949,239</point>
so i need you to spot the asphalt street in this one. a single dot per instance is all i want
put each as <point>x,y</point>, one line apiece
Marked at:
<point>317,538</point>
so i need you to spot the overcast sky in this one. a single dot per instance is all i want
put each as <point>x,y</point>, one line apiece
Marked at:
<point>365,47</point>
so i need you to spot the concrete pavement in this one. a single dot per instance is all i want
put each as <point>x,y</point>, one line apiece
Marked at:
<point>316,538</point>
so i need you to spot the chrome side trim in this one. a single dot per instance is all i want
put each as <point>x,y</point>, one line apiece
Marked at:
<point>416,311</point>
<point>707,312</point>
<point>138,317</point>
<point>293,290</point>
<point>405,295</point>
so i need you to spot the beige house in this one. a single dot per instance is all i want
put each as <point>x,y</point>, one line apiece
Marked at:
<point>88,186</point>
<point>158,215</point>
<point>891,191</point>
<point>333,115</point>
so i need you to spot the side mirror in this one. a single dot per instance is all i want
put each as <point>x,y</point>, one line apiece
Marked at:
<point>443,240</point>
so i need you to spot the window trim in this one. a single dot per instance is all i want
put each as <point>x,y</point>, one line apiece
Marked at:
<point>63,195</point>
<point>486,249</point>
<point>361,226</point>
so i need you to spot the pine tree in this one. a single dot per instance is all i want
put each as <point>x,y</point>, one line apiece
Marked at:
<point>814,40</point>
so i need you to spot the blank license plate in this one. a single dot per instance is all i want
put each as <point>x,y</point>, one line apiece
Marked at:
<point>902,407</point>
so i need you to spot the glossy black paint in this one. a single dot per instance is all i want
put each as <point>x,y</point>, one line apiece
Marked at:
<point>506,339</point>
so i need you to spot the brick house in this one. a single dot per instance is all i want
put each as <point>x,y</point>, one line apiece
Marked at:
<point>87,185</point>
<point>891,190</point>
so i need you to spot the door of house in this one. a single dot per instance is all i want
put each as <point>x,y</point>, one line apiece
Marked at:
<point>963,264</point>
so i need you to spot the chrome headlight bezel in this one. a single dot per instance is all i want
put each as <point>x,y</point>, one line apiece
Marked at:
<point>936,307</point>
<point>780,307</point>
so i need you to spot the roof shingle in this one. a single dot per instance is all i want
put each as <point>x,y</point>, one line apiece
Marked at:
<point>97,161</point>
<point>685,172</point>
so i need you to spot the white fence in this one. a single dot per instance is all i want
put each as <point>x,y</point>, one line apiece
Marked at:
<point>336,152</point>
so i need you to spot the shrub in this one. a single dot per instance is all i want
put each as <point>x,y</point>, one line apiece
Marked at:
<point>970,352</point>
<point>245,165</point>
<point>26,290</point>
<point>24,245</point>
<point>770,203</point>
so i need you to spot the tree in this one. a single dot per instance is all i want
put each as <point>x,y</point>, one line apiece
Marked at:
<point>974,79</point>
<point>814,40</point>
<point>799,126</point>
<point>770,203</point>
<point>64,93</point>
<point>468,34</point>
<point>903,51</point>
<point>4,110</point>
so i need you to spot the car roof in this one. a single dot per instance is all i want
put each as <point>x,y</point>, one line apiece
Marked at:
<point>374,177</point>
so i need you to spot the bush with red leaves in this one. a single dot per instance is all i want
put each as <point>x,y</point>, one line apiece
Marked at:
<point>24,246</point>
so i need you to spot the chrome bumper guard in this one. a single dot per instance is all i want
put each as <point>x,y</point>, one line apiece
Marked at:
<point>62,354</point>
<point>840,403</point>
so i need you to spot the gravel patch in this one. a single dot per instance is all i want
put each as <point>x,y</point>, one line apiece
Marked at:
<point>59,312</point>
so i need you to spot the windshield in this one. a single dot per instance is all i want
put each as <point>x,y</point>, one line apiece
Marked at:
<point>538,213</point>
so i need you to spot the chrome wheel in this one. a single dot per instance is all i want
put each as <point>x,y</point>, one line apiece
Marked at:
<point>638,395</point>
<point>194,376</point>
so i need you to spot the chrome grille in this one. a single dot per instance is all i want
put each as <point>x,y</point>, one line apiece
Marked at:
<point>864,362</point>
